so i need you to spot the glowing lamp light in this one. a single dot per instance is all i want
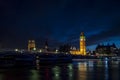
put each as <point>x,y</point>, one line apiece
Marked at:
<point>56,50</point>
<point>40,51</point>
<point>34,49</point>
<point>16,50</point>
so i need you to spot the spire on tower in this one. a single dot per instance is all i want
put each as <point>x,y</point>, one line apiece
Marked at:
<point>82,33</point>
<point>46,44</point>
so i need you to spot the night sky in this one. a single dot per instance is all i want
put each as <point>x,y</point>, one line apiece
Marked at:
<point>59,21</point>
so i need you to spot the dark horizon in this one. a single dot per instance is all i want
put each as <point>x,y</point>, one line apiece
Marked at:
<point>59,22</point>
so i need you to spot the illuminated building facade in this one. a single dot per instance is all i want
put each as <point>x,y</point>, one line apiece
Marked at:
<point>108,49</point>
<point>31,45</point>
<point>82,50</point>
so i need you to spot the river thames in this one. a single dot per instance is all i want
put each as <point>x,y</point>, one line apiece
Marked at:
<point>77,70</point>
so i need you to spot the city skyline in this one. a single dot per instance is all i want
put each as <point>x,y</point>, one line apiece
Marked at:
<point>59,22</point>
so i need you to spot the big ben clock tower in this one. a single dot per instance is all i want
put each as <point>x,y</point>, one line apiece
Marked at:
<point>82,44</point>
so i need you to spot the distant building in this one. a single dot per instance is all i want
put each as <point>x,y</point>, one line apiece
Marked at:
<point>31,45</point>
<point>82,50</point>
<point>45,47</point>
<point>106,49</point>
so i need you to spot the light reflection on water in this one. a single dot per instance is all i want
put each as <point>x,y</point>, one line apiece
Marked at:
<point>106,71</point>
<point>82,73</point>
<point>34,75</point>
<point>82,70</point>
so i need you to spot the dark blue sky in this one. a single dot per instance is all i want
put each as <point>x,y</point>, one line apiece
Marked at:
<point>59,21</point>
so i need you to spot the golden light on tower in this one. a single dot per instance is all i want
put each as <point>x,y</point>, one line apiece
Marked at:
<point>82,44</point>
<point>82,50</point>
<point>31,45</point>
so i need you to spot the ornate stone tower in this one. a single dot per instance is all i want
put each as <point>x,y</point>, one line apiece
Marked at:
<point>82,44</point>
<point>31,45</point>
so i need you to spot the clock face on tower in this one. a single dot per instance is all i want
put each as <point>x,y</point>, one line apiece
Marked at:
<point>82,39</point>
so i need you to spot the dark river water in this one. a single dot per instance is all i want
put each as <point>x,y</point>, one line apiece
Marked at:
<point>80,70</point>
